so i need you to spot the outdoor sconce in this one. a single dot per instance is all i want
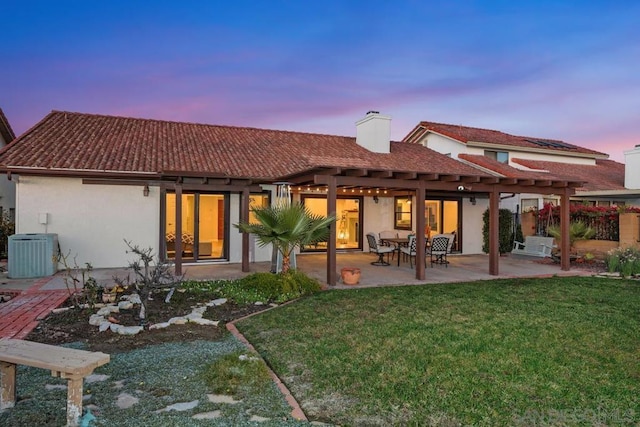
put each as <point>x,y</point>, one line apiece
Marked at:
<point>472,199</point>
<point>145,191</point>
<point>375,199</point>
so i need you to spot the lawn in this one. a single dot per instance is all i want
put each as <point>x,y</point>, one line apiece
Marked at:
<point>558,351</point>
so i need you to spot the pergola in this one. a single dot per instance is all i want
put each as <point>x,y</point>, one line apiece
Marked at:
<point>419,184</point>
<point>331,179</point>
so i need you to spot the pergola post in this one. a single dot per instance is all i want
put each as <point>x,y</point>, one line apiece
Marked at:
<point>244,218</point>
<point>565,244</point>
<point>332,194</point>
<point>421,242</point>
<point>494,232</point>
<point>178,244</point>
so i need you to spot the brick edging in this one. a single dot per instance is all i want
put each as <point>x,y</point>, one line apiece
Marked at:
<point>296,410</point>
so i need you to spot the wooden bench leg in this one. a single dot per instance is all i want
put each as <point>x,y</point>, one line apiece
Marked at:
<point>74,400</point>
<point>7,385</point>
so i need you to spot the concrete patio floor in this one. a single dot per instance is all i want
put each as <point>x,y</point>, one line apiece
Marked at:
<point>462,268</point>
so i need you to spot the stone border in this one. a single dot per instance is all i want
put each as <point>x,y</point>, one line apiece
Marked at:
<point>296,410</point>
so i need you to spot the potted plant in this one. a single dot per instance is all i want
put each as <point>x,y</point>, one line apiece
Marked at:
<point>350,275</point>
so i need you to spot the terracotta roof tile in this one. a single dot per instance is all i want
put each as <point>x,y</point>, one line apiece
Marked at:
<point>466,134</point>
<point>604,175</point>
<point>5,128</point>
<point>89,142</point>
<point>511,172</point>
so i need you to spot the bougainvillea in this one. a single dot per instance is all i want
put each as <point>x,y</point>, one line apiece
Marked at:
<point>603,219</point>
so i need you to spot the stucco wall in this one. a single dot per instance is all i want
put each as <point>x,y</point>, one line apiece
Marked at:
<point>91,221</point>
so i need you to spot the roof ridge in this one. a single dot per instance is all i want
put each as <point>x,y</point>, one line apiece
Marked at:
<point>143,119</point>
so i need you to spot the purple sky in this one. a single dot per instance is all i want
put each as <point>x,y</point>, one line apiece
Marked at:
<point>566,70</point>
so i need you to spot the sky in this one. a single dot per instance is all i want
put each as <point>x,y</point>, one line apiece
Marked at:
<point>567,70</point>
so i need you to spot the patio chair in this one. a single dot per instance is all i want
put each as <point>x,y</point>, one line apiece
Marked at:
<point>379,250</point>
<point>440,246</point>
<point>387,234</point>
<point>410,250</point>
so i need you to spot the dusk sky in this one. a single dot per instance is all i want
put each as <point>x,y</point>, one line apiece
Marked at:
<point>557,69</point>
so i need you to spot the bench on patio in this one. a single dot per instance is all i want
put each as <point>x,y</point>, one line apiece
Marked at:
<point>536,246</point>
<point>63,362</point>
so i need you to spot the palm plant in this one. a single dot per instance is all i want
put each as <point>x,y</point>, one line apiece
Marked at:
<point>286,226</point>
<point>578,230</point>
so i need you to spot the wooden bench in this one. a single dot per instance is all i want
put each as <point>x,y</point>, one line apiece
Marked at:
<point>63,362</point>
<point>536,246</point>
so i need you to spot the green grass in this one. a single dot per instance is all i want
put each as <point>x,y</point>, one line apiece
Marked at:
<point>559,351</point>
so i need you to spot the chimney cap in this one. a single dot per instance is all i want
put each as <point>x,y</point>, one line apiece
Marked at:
<point>372,112</point>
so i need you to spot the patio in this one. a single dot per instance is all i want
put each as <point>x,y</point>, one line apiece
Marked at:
<point>462,268</point>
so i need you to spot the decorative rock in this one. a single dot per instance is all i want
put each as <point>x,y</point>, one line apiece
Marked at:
<point>222,398</point>
<point>207,415</point>
<point>130,330</point>
<point>206,322</point>
<point>108,309</point>
<point>125,305</point>
<point>96,319</point>
<point>244,357</point>
<point>94,378</point>
<point>258,419</point>
<point>193,315</point>
<point>218,301</point>
<point>50,387</point>
<point>104,326</point>
<point>199,310</point>
<point>258,303</point>
<point>177,321</point>
<point>60,310</point>
<point>134,299</point>
<point>126,400</point>
<point>161,325</point>
<point>115,328</point>
<point>182,406</point>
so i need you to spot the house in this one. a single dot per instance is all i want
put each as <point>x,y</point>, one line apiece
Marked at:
<point>97,180</point>
<point>7,188</point>
<point>499,152</point>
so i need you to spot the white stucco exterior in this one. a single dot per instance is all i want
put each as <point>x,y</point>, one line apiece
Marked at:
<point>7,188</point>
<point>92,221</point>
<point>632,169</point>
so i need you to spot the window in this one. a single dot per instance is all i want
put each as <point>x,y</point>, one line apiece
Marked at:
<point>403,213</point>
<point>257,200</point>
<point>529,205</point>
<point>499,156</point>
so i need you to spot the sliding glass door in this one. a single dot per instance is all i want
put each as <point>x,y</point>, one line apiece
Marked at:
<point>443,216</point>
<point>348,221</point>
<point>204,226</point>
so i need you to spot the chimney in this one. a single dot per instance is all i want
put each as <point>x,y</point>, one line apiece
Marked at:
<point>632,168</point>
<point>373,132</point>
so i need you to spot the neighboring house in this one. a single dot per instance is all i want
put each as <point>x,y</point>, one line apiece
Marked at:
<point>178,188</point>
<point>7,188</point>
<point>501,153</point>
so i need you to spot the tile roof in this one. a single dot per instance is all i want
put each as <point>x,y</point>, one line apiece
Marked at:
<point>90,142</point>
<point>5,128</point>
<point>511,172</point>
<point>466,134</point>
<point>604,175</point>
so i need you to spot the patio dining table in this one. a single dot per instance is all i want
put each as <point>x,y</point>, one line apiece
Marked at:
<point>398,242</point>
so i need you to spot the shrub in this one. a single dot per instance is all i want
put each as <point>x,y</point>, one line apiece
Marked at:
<point>263,287</point>
<point>505,227</point>
<point>624,261</point>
